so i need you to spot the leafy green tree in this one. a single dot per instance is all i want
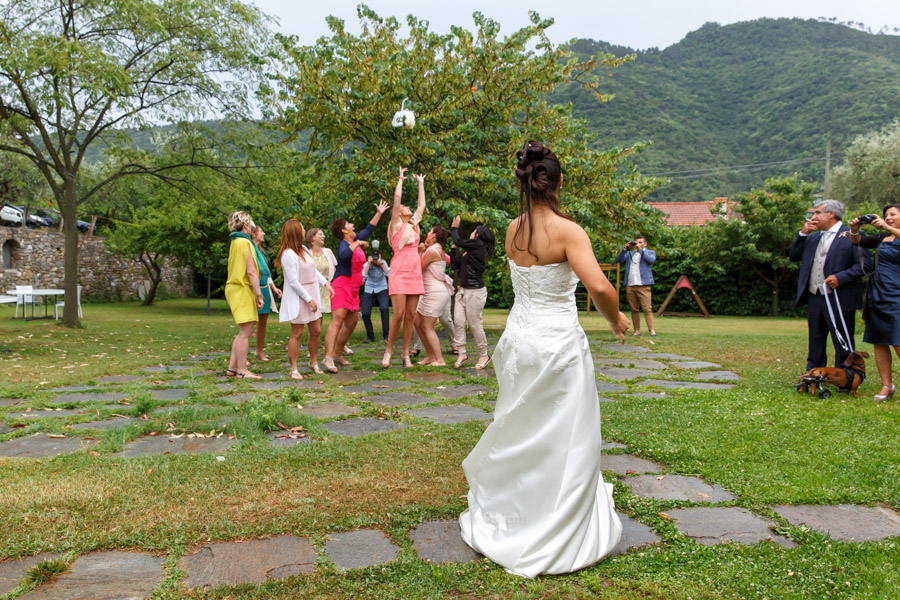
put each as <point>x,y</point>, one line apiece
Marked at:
<point>72,74</point>
<point>870,174</point>
<point>476,97</point>
<point>757,239</point>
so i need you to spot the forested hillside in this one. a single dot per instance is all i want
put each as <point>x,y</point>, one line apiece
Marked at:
<point>753,92</point>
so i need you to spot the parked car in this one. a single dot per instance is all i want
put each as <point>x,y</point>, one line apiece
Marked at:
<point>34,220</point>
<point>10,215</point>
<point>52,217</point>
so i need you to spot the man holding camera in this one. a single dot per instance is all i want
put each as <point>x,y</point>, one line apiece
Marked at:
<point>375,273</point>
<point>638,260</point>
<point>829,264</point>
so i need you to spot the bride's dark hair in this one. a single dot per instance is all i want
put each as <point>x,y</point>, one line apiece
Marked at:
<point>539,174</point>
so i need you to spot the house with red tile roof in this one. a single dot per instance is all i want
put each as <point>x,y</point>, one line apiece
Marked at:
<point>696,213</point>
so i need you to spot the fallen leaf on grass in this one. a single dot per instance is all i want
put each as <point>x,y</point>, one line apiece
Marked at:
<point>94,453</point>
<point>385,387</point>
<point>660,478</point>
<point>118,415</point>
<point>665,516</point>
<point>290,436</point>
<point>87,437</point>
<point>153,433</point>
<point>702,495</point>
<point>20,425</point>
<point>55,436</point>
<point>629,472</point>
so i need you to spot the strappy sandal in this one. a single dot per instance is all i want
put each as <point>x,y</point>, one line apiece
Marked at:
<point>880,397</point>
<point>386,360</point>
<point>330,368</point>
<point>342,362</point>
<point>230,373</point>
<point>315,368</point>
<point>348,351</point>
<point>295,374</point>
<point>248,375</point>
<point>482,365</point>
<point>406,361</point>
<point>460,361</point>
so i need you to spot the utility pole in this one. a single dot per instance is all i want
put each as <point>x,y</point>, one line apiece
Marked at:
<point>828,170</point>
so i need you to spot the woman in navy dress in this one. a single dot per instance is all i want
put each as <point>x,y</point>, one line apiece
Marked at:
<point>882,312</point>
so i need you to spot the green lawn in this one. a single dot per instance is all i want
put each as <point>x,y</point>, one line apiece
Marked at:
<point>761,440</point>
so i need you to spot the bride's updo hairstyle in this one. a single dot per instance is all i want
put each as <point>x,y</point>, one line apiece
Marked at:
<point>539,174</point>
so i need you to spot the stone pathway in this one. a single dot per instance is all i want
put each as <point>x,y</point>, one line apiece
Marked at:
<point>104,576</point>
<point>163,444</point>
<point>359,549</point>
<point>356,427</point>
<point>712,525</point>
<point>42,445</point>
<point>447,415</point>
<point>253,561</point>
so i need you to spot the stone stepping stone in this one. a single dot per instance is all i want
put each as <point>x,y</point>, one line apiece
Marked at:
<point>602,399</point>
<point>441,542</point>
<point>359,549</point>
<point>623,374</point>
<point>846,522</point>
<point>610,445</point>
<point>104,576</point>
<point>327,410</point>
<point>171,383</point>
<point>695,364</point>
<point>634,535</point>
<point>119,378</point>
<point>286,441</point>
<point>686,385</point>
<point>605,386</point>
<point>41,445</point>
<point>667,356</point>
<point>14,571</point>
<point>167,368</point>
<point>717,376</point>
<point>397,399</point>
<point>4,428</point>
<point>460,391</point>
<point>627,348</point>
<point>71,388</point>
<point>430,377</point>
<point>448,415</point>
<point>275,375</point>
<point>348,376</point>
<point>238,398</point>
<point>48,414</point>
<point>636,363</point>
<point>654,395</point>
<point>375,387</point>
<point>107,424</point>
<point>357,427</point>
<point>163,444</point>
<point>303,384</point>
<point>253,561</point>
<point>103,396</point>
<point>170,394</point>
<point>626,464</point>
<point>713,525</point>
<point>677,487</point>
<point>10,401</point>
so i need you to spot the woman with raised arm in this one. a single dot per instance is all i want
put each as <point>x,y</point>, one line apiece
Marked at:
<point>242,290</point>
<point>346,283</point>
<point>438,289</point>
<point>471,293</point>
<point>537,501</point>
<point>301,301</point>
<point>405,283</point>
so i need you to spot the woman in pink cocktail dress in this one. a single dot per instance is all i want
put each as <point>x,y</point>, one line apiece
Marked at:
<point>405,285</point>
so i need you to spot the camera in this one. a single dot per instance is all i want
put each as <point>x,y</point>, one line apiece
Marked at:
<point>376,255</point>
<point>631,243</point>
<point>867,219</point>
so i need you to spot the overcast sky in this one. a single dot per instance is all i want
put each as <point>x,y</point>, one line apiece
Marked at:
<point>638,24</point>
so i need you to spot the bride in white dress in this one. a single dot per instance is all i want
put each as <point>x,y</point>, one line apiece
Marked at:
<point>537,501</point>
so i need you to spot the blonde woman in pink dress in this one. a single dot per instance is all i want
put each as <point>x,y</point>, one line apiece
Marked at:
<point>405,283</point>
<point>438,289</point>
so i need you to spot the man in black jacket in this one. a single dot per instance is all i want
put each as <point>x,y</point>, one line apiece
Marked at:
<point>830,264</point>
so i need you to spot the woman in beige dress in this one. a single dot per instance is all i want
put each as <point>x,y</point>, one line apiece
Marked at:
<point>438,289</point>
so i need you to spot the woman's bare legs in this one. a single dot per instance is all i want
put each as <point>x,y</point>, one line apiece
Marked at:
<point>261,336</point>
<point>409,319</point>
<point>398,303</point>
<point>315,332</point>
<point>347,327</point>
<point>425,328</point>
<point>238,361</point>
<point>331,335</point>
<point>294,344</point>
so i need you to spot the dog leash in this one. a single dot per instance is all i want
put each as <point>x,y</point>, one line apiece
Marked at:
<point>846,344</point>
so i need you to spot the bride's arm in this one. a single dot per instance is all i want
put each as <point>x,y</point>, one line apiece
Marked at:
<point>580,255</point>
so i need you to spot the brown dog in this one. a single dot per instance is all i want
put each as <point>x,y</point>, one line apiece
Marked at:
<point>853,374</point>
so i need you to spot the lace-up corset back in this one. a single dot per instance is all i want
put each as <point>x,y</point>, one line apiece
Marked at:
<point>544,292</point>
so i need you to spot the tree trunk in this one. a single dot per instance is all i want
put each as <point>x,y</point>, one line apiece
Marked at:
<point>70,259</point>
<point>208,289</point>
<point>154,273</point>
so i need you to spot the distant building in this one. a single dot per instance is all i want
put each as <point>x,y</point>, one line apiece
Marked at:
<point>696,213</point>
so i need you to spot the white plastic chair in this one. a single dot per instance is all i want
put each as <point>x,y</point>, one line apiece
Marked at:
<point>23,298</point>
<point>59,305</point>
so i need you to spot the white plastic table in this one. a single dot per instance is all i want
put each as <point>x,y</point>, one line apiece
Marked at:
<point>43,294</point>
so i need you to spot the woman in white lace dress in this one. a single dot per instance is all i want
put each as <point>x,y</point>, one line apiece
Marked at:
<point>537,501</point>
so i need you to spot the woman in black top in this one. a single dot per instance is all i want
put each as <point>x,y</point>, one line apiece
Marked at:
<point>882,312</point>
<point>471,294</point>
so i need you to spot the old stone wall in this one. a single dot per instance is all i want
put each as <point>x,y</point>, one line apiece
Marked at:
<point>35,257</point>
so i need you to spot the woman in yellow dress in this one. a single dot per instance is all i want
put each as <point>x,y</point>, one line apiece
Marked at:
<point>242,291</point>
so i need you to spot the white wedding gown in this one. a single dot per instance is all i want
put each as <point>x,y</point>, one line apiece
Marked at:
<point>537,501</point>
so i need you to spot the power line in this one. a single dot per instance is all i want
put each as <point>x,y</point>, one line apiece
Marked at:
<point>691,173</point>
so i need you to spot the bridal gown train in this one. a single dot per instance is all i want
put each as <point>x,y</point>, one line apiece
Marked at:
<point>537,501</point>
